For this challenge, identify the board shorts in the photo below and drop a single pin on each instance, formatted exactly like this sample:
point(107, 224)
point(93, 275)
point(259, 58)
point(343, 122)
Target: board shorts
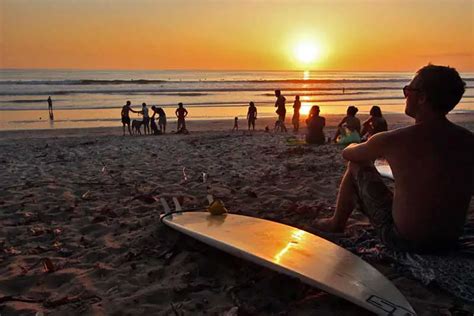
point(126, 120)
point(376, 200)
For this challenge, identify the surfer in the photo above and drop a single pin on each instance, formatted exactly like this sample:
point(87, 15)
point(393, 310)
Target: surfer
point(432, 164)
point(126, 116)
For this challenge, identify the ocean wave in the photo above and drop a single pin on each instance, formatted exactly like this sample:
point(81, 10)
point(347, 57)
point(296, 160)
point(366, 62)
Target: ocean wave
point(85, 82)
point(185, 91)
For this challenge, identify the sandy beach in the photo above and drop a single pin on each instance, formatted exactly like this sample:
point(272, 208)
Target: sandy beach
point(80, 232)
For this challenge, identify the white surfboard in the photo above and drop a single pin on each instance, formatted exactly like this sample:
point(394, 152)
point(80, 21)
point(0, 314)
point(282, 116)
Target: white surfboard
point(384, 169)
point(296, 253)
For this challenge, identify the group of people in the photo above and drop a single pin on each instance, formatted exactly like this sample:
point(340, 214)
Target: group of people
point(431, 161)
point(149, 121)
point(348, 130)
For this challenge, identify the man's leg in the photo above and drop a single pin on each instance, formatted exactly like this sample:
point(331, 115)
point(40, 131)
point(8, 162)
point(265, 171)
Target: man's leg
point(129, 130)
point(346, 199)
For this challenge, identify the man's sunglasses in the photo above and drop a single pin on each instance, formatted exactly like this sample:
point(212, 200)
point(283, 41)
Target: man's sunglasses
point(407, 89)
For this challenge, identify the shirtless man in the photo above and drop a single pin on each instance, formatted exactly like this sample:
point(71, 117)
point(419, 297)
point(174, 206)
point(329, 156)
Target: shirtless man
point(432, 163)
point(126, 116)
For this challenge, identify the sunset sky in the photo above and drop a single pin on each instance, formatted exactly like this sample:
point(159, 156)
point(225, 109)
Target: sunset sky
point(398, 35)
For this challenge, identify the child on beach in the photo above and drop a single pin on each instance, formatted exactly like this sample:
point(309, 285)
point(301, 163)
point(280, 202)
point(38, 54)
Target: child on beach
point(181, 114)
point(252, 115)
point(236, 124)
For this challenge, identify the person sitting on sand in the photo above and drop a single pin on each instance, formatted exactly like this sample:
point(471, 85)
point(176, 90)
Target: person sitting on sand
point(252, 115)
point(181, 114)
point(161, 118)
point(348, 130)
point(126, 117)
point(374, 124)
point(281, 110)
point(433, 167)
point(296, 114)
point(146, 119)
point(315, 125)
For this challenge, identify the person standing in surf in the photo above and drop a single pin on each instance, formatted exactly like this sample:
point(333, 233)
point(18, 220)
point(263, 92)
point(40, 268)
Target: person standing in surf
point(433, 168)
point(296, 114)
point(281, 110)
point(126, 117)
point(50, 108)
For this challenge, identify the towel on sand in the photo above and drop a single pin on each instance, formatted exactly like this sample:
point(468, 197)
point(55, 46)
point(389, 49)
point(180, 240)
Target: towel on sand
point(452, 272)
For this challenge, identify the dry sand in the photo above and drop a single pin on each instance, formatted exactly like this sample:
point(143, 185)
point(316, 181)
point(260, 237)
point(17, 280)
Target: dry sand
point(80, 230)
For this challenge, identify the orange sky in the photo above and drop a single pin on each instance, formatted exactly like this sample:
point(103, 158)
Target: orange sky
point(232, 34)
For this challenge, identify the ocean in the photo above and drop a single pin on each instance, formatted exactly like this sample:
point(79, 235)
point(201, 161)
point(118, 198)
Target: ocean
point(94, 98)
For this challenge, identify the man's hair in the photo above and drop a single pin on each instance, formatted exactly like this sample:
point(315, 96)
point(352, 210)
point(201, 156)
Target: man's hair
point(277, 92)
point(442, 85)
point(180, 104)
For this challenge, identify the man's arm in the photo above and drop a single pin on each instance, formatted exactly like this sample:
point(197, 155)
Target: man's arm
point(372, 149)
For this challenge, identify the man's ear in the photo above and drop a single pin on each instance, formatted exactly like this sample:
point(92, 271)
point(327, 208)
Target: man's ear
point(422, 98)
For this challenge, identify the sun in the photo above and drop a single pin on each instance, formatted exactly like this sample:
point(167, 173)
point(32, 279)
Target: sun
point(307, 52)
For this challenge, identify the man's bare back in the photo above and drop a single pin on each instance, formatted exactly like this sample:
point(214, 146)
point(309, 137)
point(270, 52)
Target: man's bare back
point(432, 163)
point(433, 167)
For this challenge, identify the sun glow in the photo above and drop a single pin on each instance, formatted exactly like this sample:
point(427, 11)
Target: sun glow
point(307, 52)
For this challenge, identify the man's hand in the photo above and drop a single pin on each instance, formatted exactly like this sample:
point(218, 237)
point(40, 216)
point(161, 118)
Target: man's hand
point(372, 149)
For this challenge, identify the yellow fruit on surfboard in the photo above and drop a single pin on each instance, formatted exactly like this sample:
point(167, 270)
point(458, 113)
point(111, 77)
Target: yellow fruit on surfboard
point(217, 207)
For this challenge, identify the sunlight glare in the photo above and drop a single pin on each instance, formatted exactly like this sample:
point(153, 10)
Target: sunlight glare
point(307, 52)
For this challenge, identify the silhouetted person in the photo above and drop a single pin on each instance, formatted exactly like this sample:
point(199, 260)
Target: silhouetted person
point(374, 124)
point(348, 130)
point(146, 119)
point(281, 110)
point(433, 166)
point(296, 114)
point(181, 114)
point(126, 117)
point(50, 108)
point(252, 115)
point(161, 118)
point(315, 125)
point(236, 124)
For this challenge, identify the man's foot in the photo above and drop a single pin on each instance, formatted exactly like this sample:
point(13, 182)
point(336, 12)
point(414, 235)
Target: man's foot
point(327, 225)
